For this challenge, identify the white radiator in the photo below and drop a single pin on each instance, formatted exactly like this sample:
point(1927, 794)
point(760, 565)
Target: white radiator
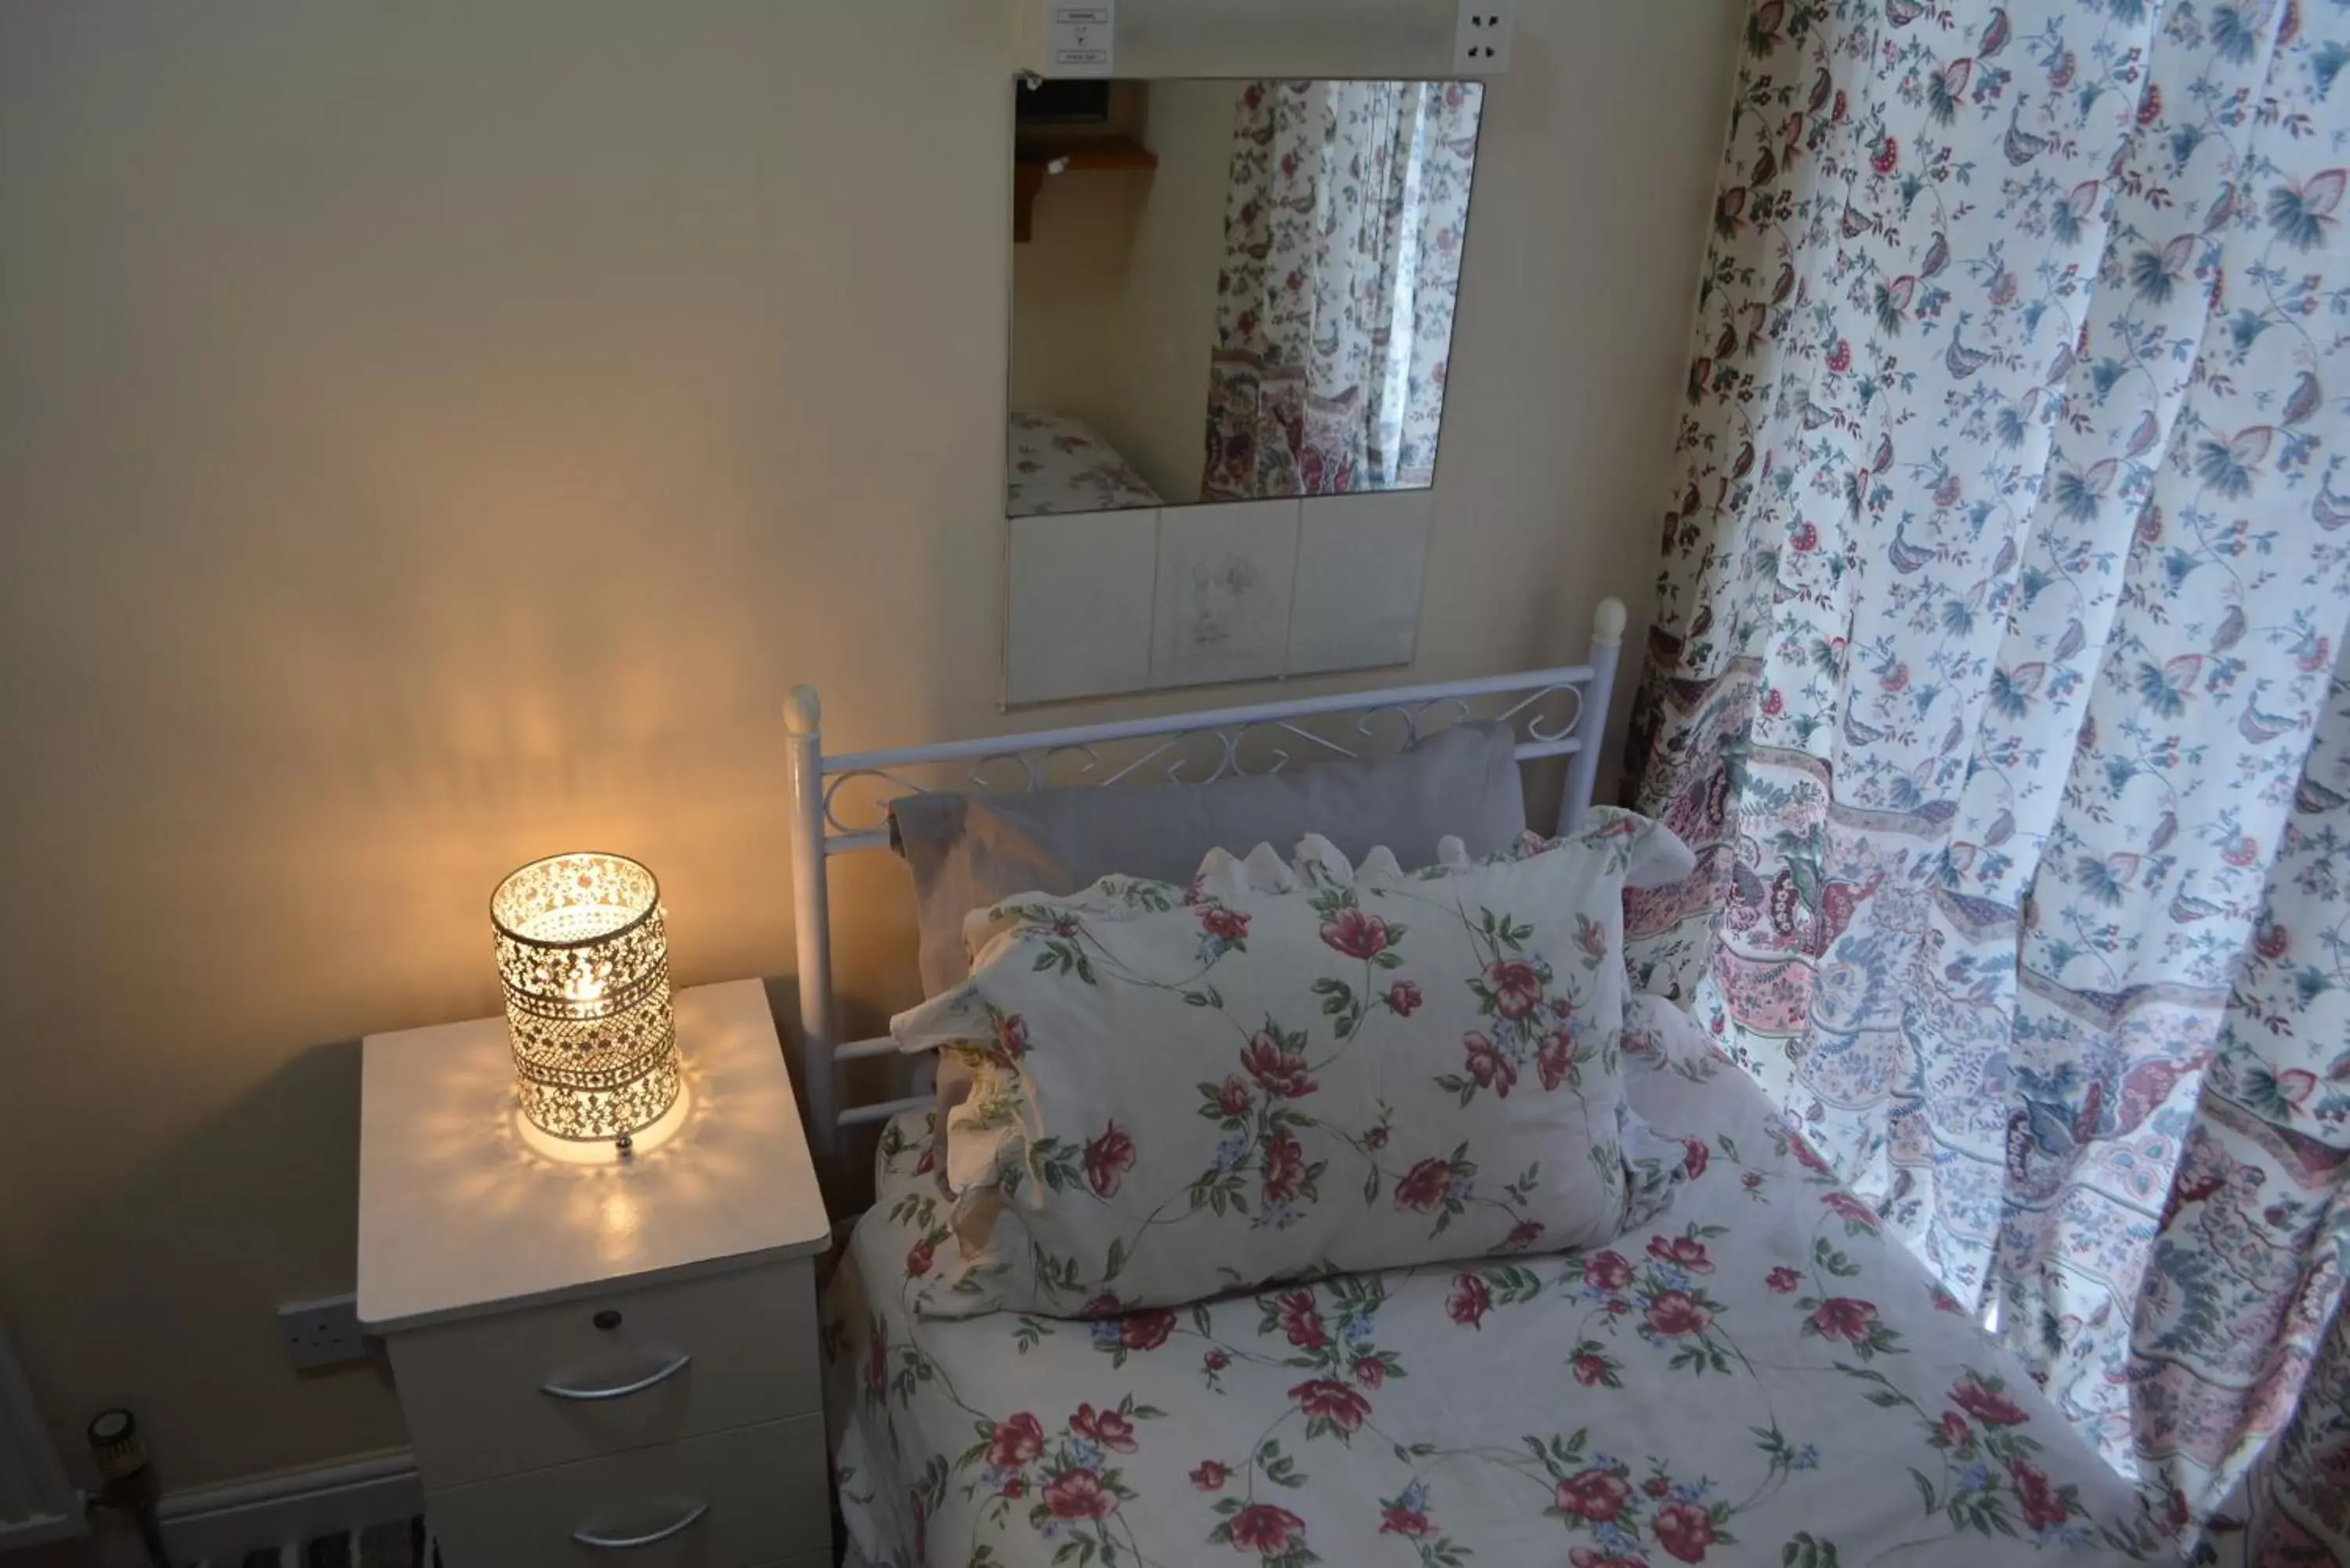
point(36, 1502)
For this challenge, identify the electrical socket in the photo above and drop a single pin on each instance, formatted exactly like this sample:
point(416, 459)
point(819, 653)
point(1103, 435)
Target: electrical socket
point(324, 1333)
point(1481, 40)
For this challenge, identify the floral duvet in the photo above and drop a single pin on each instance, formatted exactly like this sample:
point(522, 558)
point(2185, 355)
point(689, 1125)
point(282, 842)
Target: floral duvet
point(1750, 1373)
point(1060, 465)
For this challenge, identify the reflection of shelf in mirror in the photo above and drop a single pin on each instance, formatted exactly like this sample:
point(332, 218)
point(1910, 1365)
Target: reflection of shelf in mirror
point(1032, 166)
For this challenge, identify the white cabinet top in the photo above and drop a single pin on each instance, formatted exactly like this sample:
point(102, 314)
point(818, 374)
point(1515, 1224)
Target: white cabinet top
point(465, 1209)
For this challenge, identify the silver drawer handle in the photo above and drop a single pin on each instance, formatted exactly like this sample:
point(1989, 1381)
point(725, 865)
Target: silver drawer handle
point(655, 1380)
point(631, 1542)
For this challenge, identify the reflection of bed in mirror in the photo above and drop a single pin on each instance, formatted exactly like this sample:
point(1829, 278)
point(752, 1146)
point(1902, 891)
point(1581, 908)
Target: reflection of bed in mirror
point(1054, 464)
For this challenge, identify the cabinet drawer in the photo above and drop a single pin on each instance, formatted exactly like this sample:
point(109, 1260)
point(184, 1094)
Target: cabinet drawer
point(762, 1492)
point(742, 1346)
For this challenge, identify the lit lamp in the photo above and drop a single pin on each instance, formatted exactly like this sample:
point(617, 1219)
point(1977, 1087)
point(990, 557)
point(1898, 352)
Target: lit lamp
point(585, 958)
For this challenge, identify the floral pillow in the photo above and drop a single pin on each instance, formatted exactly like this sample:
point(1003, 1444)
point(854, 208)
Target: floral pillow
point(1293, 1075)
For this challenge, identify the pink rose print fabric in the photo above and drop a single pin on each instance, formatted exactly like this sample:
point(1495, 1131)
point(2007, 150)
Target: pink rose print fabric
point(1231, 1084)
point(1743, 1377)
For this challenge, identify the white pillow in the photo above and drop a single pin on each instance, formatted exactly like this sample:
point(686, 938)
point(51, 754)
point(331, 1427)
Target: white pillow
point(1298, 1072)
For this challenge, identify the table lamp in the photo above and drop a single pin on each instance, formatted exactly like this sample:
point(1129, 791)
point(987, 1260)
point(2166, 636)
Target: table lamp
point(584, 954)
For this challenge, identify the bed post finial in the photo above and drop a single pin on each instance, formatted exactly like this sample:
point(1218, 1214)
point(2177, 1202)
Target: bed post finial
point(804, 712)
point(1607, 623)
point(803, 716)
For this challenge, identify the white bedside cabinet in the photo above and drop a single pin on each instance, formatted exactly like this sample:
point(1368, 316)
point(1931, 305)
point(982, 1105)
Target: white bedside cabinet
point(602, 1362)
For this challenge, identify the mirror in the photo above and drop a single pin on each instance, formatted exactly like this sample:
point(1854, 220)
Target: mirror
point(1232, 290)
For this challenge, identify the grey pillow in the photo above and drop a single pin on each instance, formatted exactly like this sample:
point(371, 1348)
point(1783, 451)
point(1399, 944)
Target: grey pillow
point(971, 851)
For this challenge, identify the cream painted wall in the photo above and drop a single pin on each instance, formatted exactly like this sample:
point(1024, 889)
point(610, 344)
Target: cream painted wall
point(1069, 291)
point(1168, 328)
point(433, 435)
point(1114, 295)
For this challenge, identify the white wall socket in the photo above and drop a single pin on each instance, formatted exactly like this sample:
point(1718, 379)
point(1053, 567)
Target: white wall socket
point(324, 1333)
point(1481, 43)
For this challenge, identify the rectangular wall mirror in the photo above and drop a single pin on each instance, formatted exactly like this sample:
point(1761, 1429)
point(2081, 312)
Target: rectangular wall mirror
point(1230, 291)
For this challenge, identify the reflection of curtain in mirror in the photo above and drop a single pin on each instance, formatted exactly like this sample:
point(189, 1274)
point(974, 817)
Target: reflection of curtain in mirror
point(1341, 255)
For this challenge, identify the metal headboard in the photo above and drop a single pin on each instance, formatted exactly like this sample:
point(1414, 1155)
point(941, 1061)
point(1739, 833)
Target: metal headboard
point(1260, 737)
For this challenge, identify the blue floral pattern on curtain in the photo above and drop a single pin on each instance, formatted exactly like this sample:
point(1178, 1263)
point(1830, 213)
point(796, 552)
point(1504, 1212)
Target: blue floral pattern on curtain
point(1344, 221)
point(2001, 595)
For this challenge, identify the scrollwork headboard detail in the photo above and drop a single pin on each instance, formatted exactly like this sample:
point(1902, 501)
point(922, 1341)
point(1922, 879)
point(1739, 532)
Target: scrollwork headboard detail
point(839, 803)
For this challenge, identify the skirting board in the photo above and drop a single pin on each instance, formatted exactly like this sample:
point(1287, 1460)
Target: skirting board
point(291, 1506)
point(23, 1533)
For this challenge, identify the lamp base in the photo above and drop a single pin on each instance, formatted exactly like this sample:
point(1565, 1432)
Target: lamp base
point(605, 1153)
point(599, 1113)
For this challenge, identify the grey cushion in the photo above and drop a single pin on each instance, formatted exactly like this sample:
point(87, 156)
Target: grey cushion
point(971, 851)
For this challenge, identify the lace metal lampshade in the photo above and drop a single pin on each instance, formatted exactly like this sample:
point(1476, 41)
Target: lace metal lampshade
point(584, 957)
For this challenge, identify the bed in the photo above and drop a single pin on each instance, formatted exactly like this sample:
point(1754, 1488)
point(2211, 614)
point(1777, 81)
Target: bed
point(1054, 463)
point(1749, 1372)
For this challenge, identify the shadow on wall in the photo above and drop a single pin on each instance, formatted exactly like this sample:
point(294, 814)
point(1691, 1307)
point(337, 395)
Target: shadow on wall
point(848, 1179)
point(158, 1228)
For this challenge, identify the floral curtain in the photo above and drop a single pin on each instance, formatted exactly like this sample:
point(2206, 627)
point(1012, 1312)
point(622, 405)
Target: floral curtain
point(2232, 1327)
point(2000, 596)
point(1342, 229)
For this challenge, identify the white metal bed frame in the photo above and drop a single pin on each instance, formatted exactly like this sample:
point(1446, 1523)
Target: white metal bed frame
point(1165, 747)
